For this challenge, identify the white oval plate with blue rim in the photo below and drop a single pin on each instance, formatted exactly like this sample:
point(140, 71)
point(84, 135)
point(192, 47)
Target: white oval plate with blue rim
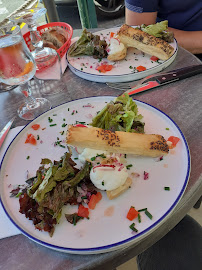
point(122, 71)
point(100, 233)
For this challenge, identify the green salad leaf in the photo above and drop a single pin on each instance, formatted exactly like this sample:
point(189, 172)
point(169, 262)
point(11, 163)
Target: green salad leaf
point(120, 115)
point(89, 44)
point(159, 30)
point(56, 172)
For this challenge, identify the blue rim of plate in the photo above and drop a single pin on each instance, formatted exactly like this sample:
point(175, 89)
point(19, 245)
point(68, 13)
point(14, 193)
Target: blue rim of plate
point(128, 240)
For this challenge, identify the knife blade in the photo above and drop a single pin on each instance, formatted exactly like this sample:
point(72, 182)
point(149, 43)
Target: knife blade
point(5, 131)
point(165, 78)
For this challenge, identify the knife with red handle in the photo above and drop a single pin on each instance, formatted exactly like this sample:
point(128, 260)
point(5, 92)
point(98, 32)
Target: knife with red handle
point(165, 78)
point(5, 131)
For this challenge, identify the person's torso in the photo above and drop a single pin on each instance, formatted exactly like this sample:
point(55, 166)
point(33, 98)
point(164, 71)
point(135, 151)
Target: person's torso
point(181, 14)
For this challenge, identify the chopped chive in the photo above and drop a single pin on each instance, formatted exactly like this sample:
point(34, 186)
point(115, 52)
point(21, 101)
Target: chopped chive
point(103, 183)
point(129, 166)
point(68, 109)
point(64, 125)
point(139, 218)
point(130, 67)
point(125, 155)
point(55, 114)
point(101, 155)
point(84, 197)
point(166, 188)
point(53, 125)
point(75, 158)
point(132, 227)
point(18, 195)
point(88, 218)
point(64, 119)
point(61, 145)
point(28, 157)
point(74, 220)
point(78, 122)
point(50, 120)
point(76, 111)
point(93, 158)
point(142, 210)
point(37, 137)
point(62, 132)
point(167, 129)
point(148, 214)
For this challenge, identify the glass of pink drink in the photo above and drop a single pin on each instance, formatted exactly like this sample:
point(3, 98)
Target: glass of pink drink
point(17, 67)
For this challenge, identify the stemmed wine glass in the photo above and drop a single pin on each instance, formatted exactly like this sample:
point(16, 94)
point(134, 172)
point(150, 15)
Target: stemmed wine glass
point(48, 62)
point(17, 67)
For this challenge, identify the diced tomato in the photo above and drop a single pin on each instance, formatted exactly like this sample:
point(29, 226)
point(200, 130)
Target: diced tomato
point(94, 200)
point(132, 213)
point(80, 125)
point(141, 68)
point(111, 34)
point(99, 197)
point(154, 58)
point(36, 126)
point(83, 211)
point(104, 68)
point(31, 139)
point(174, 140)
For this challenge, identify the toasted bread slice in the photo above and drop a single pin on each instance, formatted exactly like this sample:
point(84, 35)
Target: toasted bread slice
point(56, 36)
point(134, 37)
point(112, 194)
point(151, 145)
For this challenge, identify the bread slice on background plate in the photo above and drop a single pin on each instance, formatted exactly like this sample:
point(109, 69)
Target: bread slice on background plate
point(134, 37)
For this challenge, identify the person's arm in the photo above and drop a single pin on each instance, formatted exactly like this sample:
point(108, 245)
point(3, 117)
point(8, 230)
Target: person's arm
point(135, 18)
point(189, 40)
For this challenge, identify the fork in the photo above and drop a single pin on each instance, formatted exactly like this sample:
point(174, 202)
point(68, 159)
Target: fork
point(130, 85)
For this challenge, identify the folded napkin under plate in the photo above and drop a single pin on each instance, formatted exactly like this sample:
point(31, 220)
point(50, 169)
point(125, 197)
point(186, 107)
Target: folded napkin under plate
point(7, 229)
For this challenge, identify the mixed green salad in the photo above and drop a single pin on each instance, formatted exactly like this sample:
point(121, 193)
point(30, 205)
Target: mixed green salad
point(159, 30)
point(89, 44)
point(120, 115)
point(53, 187)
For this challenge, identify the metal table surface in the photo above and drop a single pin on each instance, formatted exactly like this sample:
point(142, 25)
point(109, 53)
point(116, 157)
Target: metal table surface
point(181, 101)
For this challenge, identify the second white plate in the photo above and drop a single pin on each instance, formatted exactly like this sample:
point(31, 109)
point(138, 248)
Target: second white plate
point(122, 71)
